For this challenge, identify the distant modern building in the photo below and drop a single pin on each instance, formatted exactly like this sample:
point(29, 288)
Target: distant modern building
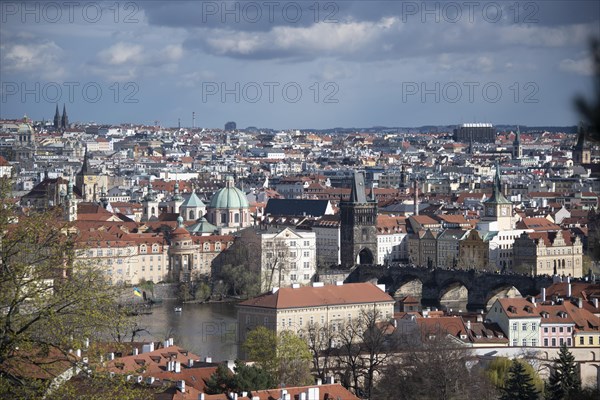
point(475, 132)
point(230, 126)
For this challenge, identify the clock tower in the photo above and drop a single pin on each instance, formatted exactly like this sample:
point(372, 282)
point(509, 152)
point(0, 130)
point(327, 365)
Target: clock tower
point(498, 210)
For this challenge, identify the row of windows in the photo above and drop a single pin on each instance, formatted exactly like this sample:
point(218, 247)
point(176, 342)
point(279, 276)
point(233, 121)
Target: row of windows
point(554, 342)
point(294, 277)
point(524, 326)
point(560, 329)
point(525, 342)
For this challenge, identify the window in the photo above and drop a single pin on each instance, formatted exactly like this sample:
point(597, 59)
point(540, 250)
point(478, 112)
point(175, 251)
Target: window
point(306, 243)
point(293, 254)
point(524, 326)
point(514, 326)
point(524, 342)
point(590, 340)
point(100, 252)
point(560, 329)
point(561, 341)
point(289, 322)
point(293, 265)
point(533, 326)
point(293, 277)
point(569, 342)
point(293, 243)
point(569, 329)
point(553, 342)
point(306, 277)
point(534, 342)
point(545, 342)
point(306, 254)
point(306, 264)
point(515, 342)
point(553, 329)
point(545, 329)
point(300, 321)
point(581, 340)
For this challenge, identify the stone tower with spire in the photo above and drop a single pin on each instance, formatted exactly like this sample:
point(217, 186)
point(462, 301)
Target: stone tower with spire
point(498, 210)
point(64, 121)
point(517, 149)
point(56, 119)
point(358, 225)
point(581, 152)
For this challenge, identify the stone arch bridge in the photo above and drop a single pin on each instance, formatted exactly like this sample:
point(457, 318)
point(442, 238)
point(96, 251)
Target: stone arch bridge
point(481, 286)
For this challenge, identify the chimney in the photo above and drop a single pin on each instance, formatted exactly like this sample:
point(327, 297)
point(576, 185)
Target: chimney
point(135, 351)
point(139, 379)
point(330, 380)
point(177, 367)
point(313, 393)
point(580, 302)
point(319, 382)
point(543, 295)
point(87, 343)
point(150, 380)
point(201, 396)
point(568, 290)
point(468, 325)
point(568, 279)
point(165, 344)
point(170, 341)
point(190, 363)
point(595, 300)
point(533, 301)
point(208, 359)
point(339, 283)
point(181, 386)
point(78, 353)
point(295, 285)
point(244, 394)
point(111, 356)
point(230, 365)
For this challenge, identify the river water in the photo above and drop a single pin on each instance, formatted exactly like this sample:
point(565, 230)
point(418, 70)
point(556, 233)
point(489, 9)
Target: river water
point(208, 330)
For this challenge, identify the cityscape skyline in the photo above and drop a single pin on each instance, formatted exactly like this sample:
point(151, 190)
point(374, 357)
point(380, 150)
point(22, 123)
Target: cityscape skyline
point(298, 64)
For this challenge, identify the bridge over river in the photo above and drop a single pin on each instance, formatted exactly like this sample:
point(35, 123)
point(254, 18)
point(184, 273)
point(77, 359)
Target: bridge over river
point(436, 286)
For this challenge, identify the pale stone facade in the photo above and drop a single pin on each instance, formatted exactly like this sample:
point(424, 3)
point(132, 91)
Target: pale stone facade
point(549, 253)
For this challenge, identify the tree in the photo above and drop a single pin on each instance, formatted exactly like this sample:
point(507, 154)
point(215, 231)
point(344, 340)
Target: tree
point(320, 340)
point(590, 109)
point(519, 384)
point(284, 356)
point(293, 360)
point(431, 365)
point(49, 302)
point(221, 381)
point(498, 373)
point(564, 382)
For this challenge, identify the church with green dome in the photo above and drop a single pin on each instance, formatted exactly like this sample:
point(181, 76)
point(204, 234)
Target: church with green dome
point(229, 210)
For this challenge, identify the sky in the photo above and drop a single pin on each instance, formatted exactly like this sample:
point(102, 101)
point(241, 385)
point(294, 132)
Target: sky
point(297, 64)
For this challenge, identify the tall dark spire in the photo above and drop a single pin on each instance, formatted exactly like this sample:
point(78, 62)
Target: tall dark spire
point(56, 118)
point(64, 122)
point(580, 137)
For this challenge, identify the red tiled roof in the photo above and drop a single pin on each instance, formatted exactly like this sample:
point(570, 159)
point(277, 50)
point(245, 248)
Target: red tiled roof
point(309, 296)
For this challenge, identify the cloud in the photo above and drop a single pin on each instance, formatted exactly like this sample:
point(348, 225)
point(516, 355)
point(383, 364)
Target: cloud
point(121, 53)
point(125, 61)
point(41, 60)
point(582, 66)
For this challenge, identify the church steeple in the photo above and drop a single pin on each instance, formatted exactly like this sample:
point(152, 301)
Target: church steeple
point(581, 153)
point(56, 118)
point(64, 122)
point(517, 149)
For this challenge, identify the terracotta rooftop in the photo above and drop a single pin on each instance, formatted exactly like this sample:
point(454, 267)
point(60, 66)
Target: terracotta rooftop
point(309, 296)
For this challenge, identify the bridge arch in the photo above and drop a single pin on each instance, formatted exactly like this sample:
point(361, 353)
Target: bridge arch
point(410, 285)
point(499, 292)
point(454, 294)
point(365, 257)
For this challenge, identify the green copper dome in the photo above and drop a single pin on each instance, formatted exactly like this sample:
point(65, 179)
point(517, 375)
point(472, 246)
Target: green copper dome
point(229, 197)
